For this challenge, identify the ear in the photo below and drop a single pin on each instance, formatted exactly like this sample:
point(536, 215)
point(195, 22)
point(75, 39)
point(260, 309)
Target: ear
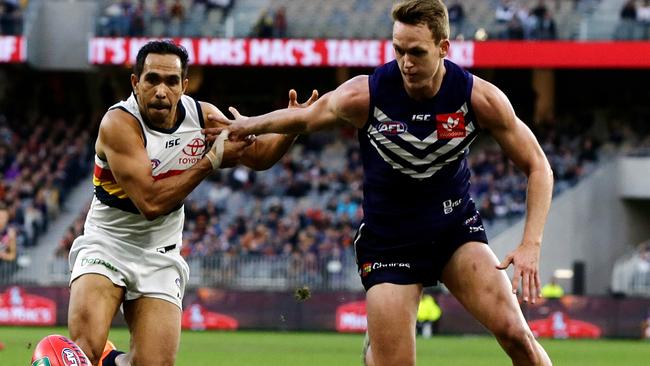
point(444, 48)
point(134, 83)
point(186, 82)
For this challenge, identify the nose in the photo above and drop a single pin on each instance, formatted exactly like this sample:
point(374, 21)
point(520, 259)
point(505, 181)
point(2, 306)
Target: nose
point(407, 62)
point(161, 91)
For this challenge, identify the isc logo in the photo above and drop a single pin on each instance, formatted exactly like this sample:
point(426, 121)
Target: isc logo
point(172, 143)
point(391, 128)
point(421, 117)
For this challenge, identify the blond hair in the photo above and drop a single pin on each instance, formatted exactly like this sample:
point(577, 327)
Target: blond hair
point(433, 13)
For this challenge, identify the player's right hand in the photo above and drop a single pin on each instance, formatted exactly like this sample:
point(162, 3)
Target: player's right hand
point(238, 127)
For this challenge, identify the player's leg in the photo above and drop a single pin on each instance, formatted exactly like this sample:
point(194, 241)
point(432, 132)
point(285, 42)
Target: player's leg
point(155, 327)
point(392, 311)
point(471, 276)
point(94, 300)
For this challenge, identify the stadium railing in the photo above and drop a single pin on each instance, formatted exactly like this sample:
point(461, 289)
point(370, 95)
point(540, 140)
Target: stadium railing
point(255, 272)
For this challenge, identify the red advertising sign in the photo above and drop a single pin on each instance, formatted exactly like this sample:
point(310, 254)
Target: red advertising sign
point(20, 308)
point(12, 49)
point(372, 53)
point(352, 317)
point(558, 325)
point(196, 317)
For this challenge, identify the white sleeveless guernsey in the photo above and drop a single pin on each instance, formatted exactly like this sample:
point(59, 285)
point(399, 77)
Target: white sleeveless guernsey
point(171, 151)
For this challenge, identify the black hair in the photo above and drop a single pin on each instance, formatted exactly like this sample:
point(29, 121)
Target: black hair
point(164, 47)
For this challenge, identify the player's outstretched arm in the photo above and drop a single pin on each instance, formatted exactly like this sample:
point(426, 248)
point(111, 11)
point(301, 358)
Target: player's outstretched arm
point(347, 105)
point(267, 149)
point(495, 113)
point(120, 143)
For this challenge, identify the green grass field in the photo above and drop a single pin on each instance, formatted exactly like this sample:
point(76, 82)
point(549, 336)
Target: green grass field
point(327, 349)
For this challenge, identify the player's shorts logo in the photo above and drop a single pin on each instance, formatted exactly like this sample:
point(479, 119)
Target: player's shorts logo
point(196, 147)
point(91, 261)
point(366, 269)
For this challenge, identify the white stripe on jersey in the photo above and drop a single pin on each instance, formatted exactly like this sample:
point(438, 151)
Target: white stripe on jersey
point(375, 135)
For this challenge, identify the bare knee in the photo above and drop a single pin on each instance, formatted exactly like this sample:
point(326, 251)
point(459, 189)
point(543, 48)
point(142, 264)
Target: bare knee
point(518, 341)
point(401, 356)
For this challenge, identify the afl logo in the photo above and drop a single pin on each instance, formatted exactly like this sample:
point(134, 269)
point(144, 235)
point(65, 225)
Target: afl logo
point(69, 357)
point(392, 128)
point(154, 163)
point(195, 147)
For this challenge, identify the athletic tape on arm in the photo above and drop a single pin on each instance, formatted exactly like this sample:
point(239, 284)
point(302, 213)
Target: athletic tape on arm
point(215, 155)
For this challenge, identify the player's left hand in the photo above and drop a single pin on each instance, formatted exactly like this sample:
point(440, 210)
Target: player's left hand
point(526, 266)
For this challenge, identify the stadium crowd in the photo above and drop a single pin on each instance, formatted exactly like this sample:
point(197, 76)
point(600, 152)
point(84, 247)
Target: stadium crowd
point(40, 161)
point(161, 18)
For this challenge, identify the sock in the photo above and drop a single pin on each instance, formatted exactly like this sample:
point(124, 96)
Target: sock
point(109, 360)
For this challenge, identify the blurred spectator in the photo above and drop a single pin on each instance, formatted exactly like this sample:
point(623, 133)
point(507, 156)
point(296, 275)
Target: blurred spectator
point(8, 246)
point(176, 19)
point(645, 327)
point(643, 16)
point(10, 17)
point(505, 11)
point(627, 28)
point(263, 28)
point(456, 19)
point(428, 315)
point(552, 290)
point(280, 22)
point(629, 10)
point(544, 23)
point(223, 5)
point(139, 17)
point(540, 11)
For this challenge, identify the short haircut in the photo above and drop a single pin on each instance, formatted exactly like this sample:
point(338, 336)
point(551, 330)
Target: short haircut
point(432, 13)
point(164, 47)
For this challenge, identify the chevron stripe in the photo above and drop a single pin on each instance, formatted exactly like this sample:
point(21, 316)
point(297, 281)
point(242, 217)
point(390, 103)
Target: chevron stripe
point(438, 163)
point(429, 140)
point(410, 172)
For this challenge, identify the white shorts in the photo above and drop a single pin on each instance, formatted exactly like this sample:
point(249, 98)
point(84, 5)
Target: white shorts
point(158, 272)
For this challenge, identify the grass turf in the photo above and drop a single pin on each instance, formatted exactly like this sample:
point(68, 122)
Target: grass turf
point(246, 348)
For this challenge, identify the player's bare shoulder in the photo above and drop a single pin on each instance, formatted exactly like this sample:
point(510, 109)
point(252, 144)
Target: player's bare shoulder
point(352, 100)
point(491, 106)
point(117, 128)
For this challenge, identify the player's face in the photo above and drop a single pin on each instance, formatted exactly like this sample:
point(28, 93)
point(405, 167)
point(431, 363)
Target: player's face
point(159, 88)
point(417, 53)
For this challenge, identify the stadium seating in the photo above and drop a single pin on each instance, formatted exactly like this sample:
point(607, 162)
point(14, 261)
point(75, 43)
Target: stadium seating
point(362, 19)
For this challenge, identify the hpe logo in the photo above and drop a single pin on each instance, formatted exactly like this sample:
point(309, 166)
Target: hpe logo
point(421, 118)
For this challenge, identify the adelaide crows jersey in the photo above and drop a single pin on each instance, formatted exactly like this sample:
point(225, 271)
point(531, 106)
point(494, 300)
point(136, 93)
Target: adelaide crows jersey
point(416, 178)
point(171, 151)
